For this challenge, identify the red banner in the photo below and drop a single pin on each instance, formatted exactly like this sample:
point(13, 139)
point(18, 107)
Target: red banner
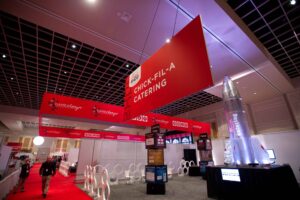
point(75, 133)
point(54, 104)
point(16, 146)
point(75, 107)
point(178, 69)
point(171, 123)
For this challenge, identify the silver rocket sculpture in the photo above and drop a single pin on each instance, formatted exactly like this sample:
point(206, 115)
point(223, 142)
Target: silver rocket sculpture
point(237, 124)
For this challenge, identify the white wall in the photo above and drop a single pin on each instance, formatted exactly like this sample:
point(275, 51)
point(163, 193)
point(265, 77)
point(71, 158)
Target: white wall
point(5, 152)
point(111, 152)
point(272, 115)
point(175, 152)
point(294, 99)
point(279, 113)
point(218, 147)
point(73, 155)
point(85, 156)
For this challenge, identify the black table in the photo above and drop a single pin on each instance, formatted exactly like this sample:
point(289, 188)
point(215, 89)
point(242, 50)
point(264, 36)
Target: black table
point(194, 171)
point(274, 182)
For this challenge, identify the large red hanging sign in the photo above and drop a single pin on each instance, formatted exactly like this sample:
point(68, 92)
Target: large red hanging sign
point(178, 69)
point(58, 105)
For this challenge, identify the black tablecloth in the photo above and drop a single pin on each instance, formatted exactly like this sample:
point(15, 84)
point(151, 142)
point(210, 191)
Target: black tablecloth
point(275, 182)
point(194, 171)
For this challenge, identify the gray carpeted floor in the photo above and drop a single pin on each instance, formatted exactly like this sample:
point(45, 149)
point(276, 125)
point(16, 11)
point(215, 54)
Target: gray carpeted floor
point(178, 188)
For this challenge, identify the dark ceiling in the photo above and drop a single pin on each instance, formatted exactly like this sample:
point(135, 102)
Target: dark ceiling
point(35, 60)
point(276, 23)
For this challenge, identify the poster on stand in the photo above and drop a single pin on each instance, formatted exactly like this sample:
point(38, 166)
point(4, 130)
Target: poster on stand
point(155, 156)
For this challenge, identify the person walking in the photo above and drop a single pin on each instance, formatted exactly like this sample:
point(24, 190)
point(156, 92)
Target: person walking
point(25, 169)
point(47, 170)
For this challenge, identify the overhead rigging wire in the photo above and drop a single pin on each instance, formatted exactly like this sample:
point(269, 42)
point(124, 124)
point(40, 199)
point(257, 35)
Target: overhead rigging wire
point(190, 16)
point(149, 31)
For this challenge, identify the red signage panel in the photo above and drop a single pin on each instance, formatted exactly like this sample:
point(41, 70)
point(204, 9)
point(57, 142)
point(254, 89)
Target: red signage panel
point(75, 133)
point(54, 104)
point(170, 123)
point(178, 69)
point(16, 146)
point(81, 108)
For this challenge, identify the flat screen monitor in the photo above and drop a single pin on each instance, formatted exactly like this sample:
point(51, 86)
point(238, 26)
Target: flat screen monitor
point(271, 153)
point(185, 140)
point(231, 175)
point(176, 141)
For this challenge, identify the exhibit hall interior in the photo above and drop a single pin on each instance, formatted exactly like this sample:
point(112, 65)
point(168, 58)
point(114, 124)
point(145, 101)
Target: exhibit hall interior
point(149, 99)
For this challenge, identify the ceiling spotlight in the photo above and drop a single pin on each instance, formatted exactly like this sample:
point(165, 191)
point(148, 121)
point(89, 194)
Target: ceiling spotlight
point(38, 140)
point(254, 93)
point(91, 1)
point(73, 46)
point(3, 56)
point(11, 78)
point(65, 72)
point(59, 89)
point(293, 2)
point(127, 65)
point(168, 40)
point(108, 84)
point(17, 93)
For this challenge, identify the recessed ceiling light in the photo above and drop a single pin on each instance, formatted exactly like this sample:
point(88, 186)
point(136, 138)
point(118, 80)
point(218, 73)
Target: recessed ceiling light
point(254, 92)
point(127, 65)
point(293, 2)
point(168, 40)
point(59, 89)
point(11, 78)
point(65, 72)
point(69, 59)
point(108, 84)
point(3, 56)
point(17, 93)
point(91, 1)
point(73, 46)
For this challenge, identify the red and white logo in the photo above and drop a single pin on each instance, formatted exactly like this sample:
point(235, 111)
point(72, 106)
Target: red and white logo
point(135, 77)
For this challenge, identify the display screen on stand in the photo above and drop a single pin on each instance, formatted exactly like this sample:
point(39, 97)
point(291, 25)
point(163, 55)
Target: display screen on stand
point(231, 175)
point(185, 138)
point(271, 153)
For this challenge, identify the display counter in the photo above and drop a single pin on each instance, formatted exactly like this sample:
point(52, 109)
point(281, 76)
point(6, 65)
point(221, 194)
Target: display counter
point(273, 182)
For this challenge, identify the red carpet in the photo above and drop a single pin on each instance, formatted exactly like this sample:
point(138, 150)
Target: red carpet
point(60, 188)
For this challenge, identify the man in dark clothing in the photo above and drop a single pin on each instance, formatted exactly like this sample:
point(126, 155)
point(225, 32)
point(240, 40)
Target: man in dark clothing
point(25, 168)
point(47, 170)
